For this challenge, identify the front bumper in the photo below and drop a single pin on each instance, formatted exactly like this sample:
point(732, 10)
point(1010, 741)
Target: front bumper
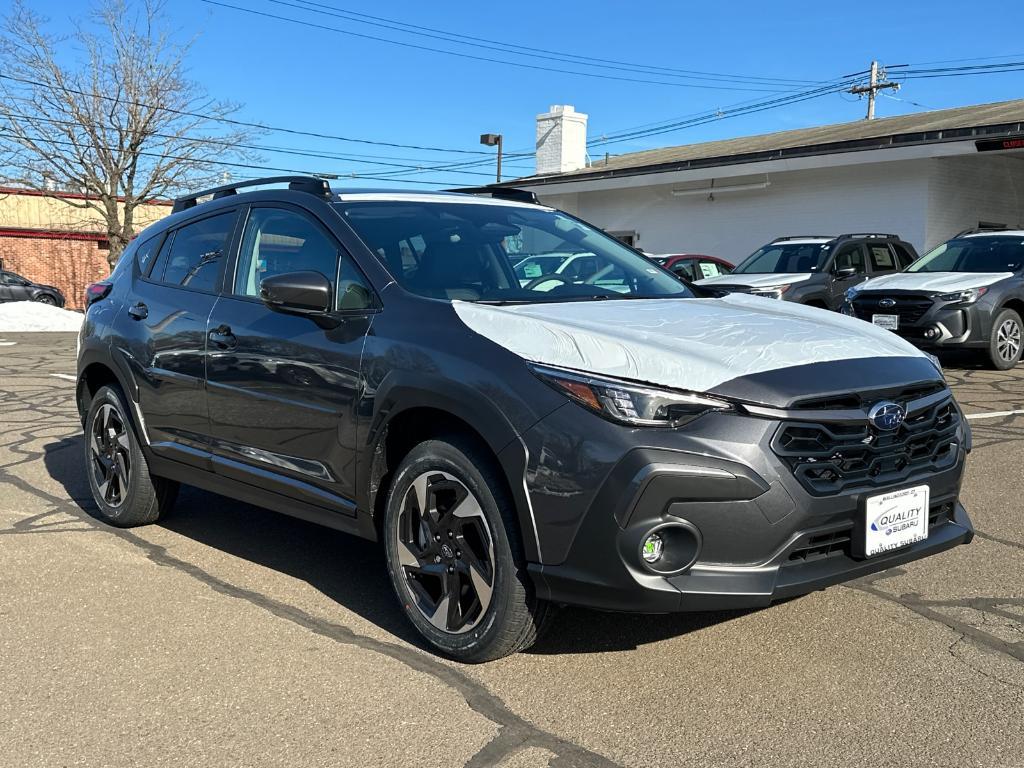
point(762, 536)
point(927, 322)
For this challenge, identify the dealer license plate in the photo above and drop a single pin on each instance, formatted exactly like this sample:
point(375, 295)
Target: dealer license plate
point(896, 519)
point(889, 322)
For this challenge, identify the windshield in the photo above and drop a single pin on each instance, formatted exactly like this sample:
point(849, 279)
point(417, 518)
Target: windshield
point(974, 254)
point(502, 252)
point(785, 257)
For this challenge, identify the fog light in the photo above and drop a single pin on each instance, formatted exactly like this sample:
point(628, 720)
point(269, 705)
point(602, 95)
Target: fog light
point(931, 333)
point(654, 547)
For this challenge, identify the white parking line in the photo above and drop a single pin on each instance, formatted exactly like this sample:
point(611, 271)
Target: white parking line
point(995, 414)
point(7, 343)
point(65, 376)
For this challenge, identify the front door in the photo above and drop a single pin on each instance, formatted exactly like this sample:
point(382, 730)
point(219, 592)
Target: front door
point(164, 331)
point(849, 255)
point(283, 388)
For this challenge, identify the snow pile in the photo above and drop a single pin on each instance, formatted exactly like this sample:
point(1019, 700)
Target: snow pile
point(21, 316)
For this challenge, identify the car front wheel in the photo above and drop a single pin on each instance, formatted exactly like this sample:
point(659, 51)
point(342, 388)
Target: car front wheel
point(1005, 344)
point(454, 554)
point(45, 298)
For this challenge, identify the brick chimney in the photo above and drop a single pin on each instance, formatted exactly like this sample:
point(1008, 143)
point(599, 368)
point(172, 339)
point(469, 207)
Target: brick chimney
point(561, 140)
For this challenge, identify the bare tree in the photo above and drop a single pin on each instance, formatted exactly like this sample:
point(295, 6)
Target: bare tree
point(109, 113)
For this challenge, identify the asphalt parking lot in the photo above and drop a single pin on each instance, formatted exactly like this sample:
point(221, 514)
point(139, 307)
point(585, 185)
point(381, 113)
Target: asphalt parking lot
point(228, 635)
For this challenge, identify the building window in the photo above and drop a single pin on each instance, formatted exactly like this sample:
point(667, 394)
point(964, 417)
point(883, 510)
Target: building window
point(629, 237)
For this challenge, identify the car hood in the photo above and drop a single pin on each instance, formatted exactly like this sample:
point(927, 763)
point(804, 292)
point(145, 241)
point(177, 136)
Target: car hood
point(940, 282)
point(757, 281)
point(690, 344)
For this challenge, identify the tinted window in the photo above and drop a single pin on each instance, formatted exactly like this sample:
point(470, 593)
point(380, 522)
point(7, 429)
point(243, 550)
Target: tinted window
point(903, 256)
point(145, 252)
point(192, 256)
point(851, 256)
point(9, 278)
point(277, 241)
point(484, 251)
point(684, 269)
point(710, 269)
point(881, 258)
point(785, 257)
point(974, 254)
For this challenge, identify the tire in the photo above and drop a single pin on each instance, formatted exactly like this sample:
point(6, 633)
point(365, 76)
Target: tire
point(45, 298)
point(1005, 344)
point(472, 513)
point(125, 493)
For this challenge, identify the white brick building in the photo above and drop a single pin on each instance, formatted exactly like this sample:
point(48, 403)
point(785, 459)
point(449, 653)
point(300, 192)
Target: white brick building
point(925, 176)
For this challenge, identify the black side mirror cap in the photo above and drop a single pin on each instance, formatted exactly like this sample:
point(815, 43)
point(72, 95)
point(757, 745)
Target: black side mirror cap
point(304, 293)
point(846, 272)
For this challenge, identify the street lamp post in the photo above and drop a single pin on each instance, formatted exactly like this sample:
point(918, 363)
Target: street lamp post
point(493, 140)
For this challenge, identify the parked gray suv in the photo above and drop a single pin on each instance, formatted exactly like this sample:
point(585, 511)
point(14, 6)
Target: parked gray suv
point(815, 270)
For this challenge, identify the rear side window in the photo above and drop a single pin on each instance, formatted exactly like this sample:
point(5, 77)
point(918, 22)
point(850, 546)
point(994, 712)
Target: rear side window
point(881, 258)
point(192, 255)
point(710, 269)
point(145, 252)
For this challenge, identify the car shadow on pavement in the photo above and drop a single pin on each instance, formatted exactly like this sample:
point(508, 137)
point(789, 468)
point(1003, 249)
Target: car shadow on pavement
point(351, 571)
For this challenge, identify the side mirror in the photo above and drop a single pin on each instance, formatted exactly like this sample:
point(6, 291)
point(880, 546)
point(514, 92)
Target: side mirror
point(305, 293)
point(845, 272)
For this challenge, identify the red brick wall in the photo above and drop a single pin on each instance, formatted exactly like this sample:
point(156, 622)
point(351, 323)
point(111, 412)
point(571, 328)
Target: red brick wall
point(67, 264)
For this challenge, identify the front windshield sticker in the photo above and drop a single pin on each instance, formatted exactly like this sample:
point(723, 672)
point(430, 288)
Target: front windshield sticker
point(532, 270)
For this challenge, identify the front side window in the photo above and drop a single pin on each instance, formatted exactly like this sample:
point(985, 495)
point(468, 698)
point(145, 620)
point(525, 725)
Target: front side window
point(785, 257)
point(476, 250)
point(685, 270)
point(974, 254)
point(192, 255)
point(851, 258)
point(881, 259)
point(9, 278)
point(277, 240)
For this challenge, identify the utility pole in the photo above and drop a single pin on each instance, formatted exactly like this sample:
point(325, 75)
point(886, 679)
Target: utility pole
point(878, 82)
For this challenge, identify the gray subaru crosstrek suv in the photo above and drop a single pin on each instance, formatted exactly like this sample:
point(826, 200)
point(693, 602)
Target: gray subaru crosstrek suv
point(370, 361)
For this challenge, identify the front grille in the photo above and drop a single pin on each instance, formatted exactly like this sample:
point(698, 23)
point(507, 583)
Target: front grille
point(853, 400)
point(910, 307)
point(821, 545)
point(831, 458)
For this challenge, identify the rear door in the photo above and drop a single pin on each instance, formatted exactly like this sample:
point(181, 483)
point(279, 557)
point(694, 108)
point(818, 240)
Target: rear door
point(882, 259)
point(283, 388)
point(165, 332)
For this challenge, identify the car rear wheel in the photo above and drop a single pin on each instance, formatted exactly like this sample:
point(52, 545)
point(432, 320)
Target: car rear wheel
point(125, 493)
point(1005, 344)
point(454, 554)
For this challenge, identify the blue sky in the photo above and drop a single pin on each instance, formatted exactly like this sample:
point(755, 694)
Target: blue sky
point(289, 75)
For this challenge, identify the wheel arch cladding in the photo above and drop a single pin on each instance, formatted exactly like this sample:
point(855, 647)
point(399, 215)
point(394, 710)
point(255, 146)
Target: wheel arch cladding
point(93, 377)
point(425, 414)
point(1015, 303)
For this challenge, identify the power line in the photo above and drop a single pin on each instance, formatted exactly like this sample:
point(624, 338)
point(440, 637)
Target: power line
point(521, 50)
point(246, 124)
point(325, 27)
point(228, 164)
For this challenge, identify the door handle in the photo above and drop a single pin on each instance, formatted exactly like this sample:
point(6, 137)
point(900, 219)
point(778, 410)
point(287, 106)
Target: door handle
point(138, 311)
point(222, 337)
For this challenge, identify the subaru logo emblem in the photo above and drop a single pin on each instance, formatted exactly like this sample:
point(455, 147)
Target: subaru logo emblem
point(886, 416)
point(887, 303)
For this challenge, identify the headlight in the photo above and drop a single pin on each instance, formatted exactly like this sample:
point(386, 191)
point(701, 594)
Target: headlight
point(968, 296)
point(936, 362)
point(628, 403)
point(774, 292)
